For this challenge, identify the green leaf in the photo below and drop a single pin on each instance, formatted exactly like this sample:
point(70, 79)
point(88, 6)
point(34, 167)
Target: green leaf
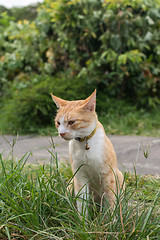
point(122, 59)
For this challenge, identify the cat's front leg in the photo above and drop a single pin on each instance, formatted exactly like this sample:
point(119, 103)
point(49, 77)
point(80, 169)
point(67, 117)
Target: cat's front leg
point(81, 187)
point(109, 188)
point(111, 185)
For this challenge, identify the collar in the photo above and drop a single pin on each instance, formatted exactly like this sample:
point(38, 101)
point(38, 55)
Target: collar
point(86, 138)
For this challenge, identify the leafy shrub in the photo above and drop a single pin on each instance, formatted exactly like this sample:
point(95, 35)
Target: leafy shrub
point(114, 45)
point(30, 106)
point(75, 46)
point(21, 13)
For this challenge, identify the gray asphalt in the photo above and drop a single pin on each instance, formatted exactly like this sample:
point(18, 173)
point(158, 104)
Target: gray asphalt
point(143, 153)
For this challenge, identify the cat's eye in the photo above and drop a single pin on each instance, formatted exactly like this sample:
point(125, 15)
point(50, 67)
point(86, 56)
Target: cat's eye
point(58, 123)
point(71, 122)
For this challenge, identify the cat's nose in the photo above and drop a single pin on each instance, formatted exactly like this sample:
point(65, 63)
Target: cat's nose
point(62, 134)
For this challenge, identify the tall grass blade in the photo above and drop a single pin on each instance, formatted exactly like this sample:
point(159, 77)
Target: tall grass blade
point(3, 167)
point(8, 234)
point(148, 217)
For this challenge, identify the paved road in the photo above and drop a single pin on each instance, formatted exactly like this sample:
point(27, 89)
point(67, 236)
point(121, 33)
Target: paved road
point(129, 149)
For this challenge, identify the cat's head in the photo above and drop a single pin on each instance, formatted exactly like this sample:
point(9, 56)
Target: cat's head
point(75, 118)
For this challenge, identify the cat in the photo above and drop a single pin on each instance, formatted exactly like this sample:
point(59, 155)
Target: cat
point(92, 155)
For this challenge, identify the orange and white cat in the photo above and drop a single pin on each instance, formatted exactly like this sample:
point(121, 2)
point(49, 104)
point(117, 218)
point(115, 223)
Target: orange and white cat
point(91, 152)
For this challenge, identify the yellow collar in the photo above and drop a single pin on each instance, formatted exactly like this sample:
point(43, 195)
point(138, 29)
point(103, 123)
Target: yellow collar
point(87, 138)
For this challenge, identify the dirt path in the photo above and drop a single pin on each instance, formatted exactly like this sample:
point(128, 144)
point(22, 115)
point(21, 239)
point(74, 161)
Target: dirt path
point(129, 149)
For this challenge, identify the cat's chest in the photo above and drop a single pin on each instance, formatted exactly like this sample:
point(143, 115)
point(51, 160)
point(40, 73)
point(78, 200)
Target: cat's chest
point(92, 157)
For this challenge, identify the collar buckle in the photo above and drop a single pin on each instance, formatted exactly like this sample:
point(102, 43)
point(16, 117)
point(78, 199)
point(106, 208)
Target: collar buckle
point(87, 147)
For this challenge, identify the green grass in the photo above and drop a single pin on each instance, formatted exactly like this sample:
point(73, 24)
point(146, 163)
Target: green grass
point(118, 117)
point(124, 119)
point(130, 121)
point(35, 204)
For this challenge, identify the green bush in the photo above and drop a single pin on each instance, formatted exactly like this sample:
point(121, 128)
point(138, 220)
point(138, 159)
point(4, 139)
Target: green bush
point(114, 45)
point(30, 107)
point(73, 47)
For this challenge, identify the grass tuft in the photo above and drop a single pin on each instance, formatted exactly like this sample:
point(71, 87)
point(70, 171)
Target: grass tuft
point(36, 204)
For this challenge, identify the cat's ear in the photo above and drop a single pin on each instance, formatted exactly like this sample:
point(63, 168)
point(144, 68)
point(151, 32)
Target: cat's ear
point(90, 102)
point(58, 101)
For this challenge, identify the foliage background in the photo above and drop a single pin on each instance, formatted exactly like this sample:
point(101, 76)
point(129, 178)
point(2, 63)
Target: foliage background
point(72, 47)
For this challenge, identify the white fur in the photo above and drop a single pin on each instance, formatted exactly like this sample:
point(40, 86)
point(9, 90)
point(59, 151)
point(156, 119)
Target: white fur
point(89, 164)
point(92, 157)
point(63, 127)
